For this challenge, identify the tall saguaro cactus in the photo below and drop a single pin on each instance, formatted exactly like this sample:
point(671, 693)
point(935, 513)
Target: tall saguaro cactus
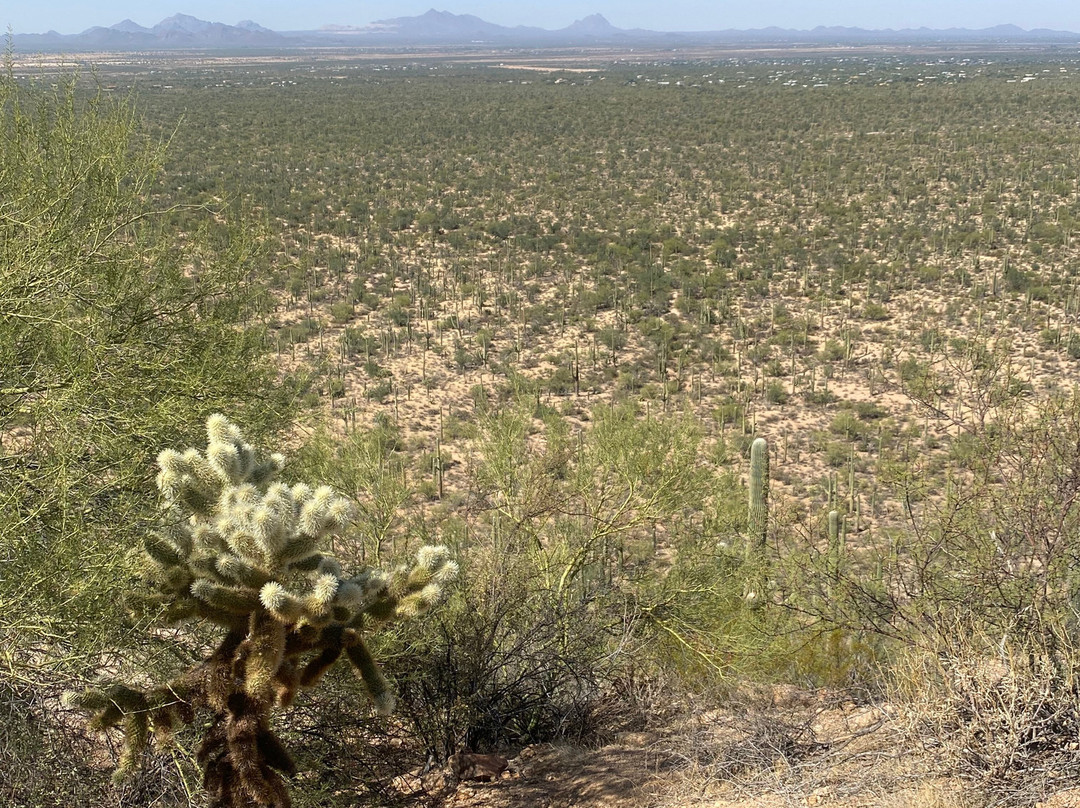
point(759, 496)
point(758, 522)
point(837, 540)
point(242, 550)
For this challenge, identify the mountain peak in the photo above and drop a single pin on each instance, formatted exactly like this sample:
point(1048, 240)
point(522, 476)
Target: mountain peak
point(444, 27)
point(182, 19)
point(129, 26)
point(594, 24)
point(183, 22)
point(251, 25)
point(595, 19)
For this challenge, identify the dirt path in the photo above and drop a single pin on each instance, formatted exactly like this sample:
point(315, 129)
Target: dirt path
point(798, 749)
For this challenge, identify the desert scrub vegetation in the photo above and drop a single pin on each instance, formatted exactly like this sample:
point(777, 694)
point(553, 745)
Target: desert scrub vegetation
point(542, 318)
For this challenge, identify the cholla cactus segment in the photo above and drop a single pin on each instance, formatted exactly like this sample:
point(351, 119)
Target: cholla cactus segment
point(323, 592)
point(202, 470)
point(301, 494)
point(247, 534)
point(323, 512)
point(136, 737)
point(233, 599)
point(181, 609)
point(195, 499)
point(123, 698)
point(279, 500)
point(219, 429)
point(300, 553)
point(418, 603)
point(341, 513)
point(171, 462)
point(349, 595)
point(329, 565)
point(433, 568)
point(432, 557)
point(176, 530)
point(446, 574)
point(171, 465)
point(269, 529)
point(203, 535)
point(267, 470)
point(437, 561)
point(163, 551)
point(374, 681)
point(265, 653)
point(240, 571)
point(284, 605)
point(176, 581)
point(315, 669)
point(372, 582)
point(225, 461)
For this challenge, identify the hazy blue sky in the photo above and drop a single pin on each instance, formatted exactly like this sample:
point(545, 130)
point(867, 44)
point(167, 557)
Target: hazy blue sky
point(69, 16)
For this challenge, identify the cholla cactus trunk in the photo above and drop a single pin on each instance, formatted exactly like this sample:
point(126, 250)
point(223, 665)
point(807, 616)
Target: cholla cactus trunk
point(758, 524)
point(241, 549)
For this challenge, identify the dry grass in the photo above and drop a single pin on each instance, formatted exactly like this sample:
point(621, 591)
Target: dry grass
point(1007, 723)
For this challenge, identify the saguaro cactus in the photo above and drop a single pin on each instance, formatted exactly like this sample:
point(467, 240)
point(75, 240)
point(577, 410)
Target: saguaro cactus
point(837, 540)
point(759, 497)
point(758, 522)
point(242, 550)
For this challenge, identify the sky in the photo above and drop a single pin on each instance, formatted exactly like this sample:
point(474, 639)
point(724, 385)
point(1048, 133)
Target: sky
point(73, 16)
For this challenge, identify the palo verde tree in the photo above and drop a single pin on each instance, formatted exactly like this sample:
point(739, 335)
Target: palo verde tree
point(120, 327)
point(241, 549)
point(117, 326)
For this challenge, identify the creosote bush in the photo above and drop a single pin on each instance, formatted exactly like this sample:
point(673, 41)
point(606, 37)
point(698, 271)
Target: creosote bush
point(242, 550)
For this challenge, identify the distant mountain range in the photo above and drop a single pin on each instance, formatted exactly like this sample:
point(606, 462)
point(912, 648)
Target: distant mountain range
point(179, 31)
point(443, 28)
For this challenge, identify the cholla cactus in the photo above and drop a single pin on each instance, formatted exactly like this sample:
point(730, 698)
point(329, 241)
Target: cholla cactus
point(243, 550)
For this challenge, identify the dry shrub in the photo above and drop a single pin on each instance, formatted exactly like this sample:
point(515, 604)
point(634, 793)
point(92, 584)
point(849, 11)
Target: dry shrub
point(48, 759)
point(933, 794)
point(763, 742)
point(1002, 716)
point(508, 663)
point(753, 751)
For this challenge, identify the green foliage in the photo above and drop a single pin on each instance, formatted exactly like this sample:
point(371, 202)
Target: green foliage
point(115, 328)
point(876, 311)
point(121, 317)
point(562, 603)
point(776, 393)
